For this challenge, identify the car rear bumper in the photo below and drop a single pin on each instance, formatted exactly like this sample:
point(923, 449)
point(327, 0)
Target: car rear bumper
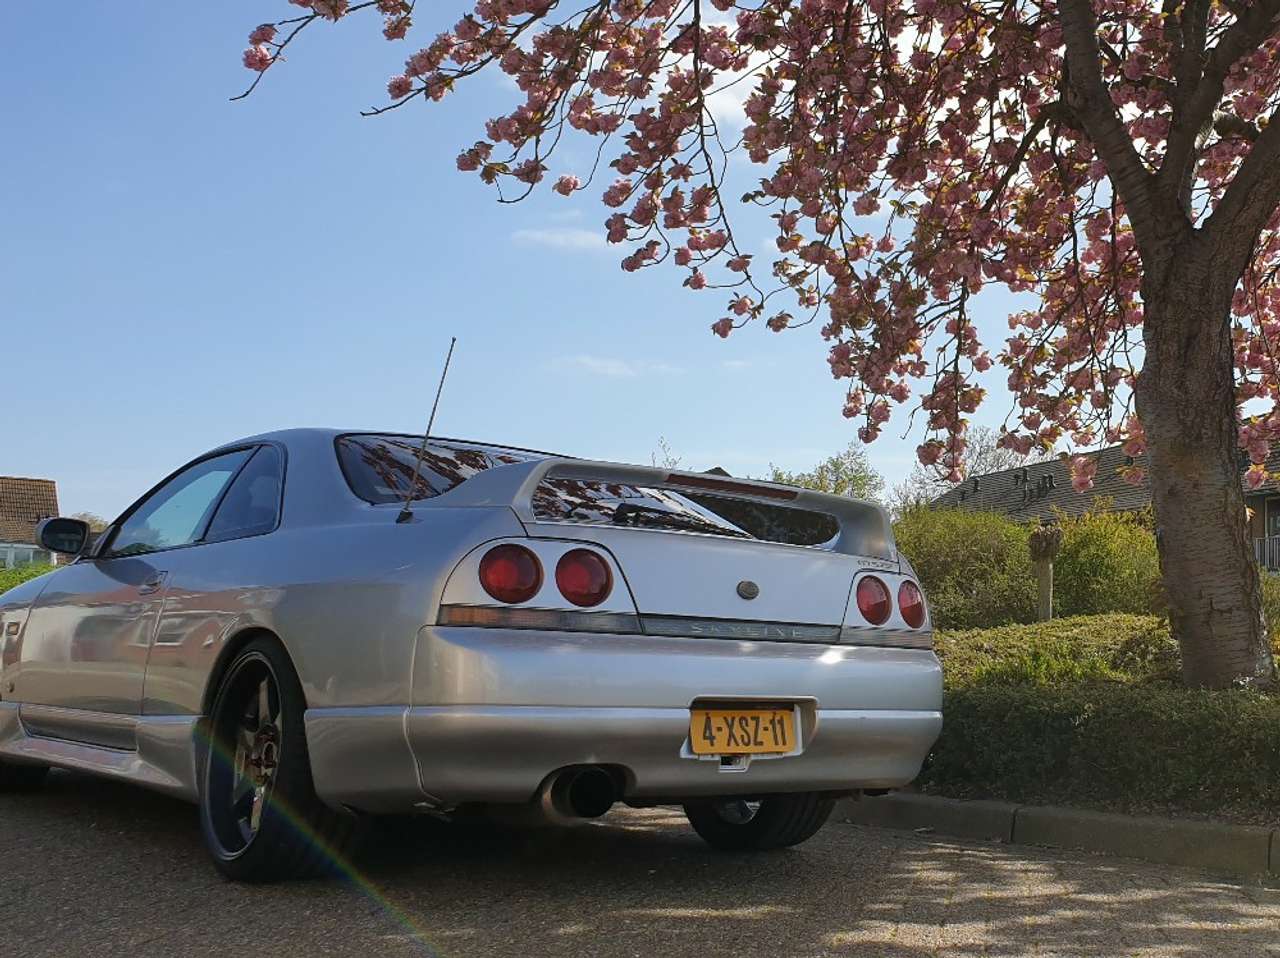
point(496, 712)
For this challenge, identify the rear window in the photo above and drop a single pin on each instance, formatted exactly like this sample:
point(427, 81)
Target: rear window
point(379, 468)
point(577, 500)
point(585, 500)
point(763, 520)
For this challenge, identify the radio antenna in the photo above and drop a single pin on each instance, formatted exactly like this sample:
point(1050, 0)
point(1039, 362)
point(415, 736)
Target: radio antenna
point(407, 513)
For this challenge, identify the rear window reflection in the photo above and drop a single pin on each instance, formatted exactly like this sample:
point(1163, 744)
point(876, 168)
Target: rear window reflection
point(380, 469)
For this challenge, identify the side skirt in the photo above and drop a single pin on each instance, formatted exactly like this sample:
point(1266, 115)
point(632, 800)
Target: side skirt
point(163, 756)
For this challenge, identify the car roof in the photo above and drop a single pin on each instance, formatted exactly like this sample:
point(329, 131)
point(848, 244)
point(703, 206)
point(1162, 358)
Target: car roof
point(324, 434)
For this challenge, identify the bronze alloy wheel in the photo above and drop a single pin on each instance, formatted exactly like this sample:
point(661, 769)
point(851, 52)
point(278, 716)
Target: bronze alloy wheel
point(259, 812)
point(246, 755)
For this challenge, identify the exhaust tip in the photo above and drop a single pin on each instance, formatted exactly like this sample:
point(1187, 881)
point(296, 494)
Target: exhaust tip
point(582, 792)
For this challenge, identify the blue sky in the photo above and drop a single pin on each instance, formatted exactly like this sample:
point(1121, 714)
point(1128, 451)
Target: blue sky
point(177, 270)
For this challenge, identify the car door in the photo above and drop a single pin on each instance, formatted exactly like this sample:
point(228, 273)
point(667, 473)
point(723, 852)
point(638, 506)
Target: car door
point(88, 635)
point(214, 586)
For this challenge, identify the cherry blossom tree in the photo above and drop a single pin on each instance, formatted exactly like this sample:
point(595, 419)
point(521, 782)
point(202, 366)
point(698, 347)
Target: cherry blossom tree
point(1117, 159)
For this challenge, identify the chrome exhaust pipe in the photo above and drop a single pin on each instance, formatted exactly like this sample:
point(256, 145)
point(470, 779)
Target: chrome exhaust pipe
point(586, 792)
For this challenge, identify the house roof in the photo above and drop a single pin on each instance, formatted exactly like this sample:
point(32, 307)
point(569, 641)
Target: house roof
point(23, 503)
point(1042, 490)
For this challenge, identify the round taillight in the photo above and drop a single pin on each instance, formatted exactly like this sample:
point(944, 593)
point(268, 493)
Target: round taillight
point(583, 577)
point(911, 604)
point(511, 573)
point(874, 601)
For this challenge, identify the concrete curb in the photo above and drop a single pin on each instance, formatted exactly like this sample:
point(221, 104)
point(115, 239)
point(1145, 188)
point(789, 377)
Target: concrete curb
point(1239, 850)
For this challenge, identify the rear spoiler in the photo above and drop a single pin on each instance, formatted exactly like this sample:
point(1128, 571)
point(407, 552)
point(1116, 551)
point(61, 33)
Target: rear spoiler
point(864, 526)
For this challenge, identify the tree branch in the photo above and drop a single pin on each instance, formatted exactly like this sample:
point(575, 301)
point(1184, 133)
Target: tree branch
point(1249, 202)
point(1087, 95)
point(1193, 107)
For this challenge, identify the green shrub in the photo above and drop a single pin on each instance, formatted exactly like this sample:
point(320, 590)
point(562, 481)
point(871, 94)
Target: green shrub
point(1271, 603)
point(974, 566)
point(12, 577)
point(1108, 563)
point(1089, 710)
point(977, 572)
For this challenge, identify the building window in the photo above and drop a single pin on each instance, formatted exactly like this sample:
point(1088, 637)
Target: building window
point(12, 556)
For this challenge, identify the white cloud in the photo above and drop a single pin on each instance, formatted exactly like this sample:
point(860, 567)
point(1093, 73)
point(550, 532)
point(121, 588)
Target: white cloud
point(561, 237)
point(736, 363)
point(619, 368)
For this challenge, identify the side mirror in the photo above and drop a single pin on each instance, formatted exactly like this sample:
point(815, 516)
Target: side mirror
point(68, 536)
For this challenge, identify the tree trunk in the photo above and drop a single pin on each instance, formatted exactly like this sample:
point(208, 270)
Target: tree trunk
point(1186, 400)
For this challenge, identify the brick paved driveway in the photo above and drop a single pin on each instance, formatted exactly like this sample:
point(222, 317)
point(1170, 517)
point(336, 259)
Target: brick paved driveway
point(97, 869)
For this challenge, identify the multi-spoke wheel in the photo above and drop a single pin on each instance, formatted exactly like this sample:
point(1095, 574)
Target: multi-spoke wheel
point(257, 755)
point(259, 812)
point(734, 824)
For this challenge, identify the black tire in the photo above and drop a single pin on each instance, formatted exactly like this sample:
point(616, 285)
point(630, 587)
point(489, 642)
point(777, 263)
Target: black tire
point(779, 821)
point(259, 812)
point(15, 777)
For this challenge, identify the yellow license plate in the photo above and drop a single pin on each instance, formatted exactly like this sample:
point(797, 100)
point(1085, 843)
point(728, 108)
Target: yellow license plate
point(748, 731)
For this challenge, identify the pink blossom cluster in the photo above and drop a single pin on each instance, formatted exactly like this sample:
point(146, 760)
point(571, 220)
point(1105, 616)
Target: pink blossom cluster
point(913, 154)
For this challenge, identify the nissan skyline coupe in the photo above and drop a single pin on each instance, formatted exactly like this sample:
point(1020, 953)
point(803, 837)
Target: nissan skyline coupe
point(303, 630)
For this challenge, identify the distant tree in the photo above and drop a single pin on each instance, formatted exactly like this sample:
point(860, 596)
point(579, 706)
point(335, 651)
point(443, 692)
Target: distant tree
point(983, 454)
point(847, 473)
point(664, 457)
point(96, 522)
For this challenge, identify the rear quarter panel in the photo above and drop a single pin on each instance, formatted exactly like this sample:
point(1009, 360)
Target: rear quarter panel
point(347, 600)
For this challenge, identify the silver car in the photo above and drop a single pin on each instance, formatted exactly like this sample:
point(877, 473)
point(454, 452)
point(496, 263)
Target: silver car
point(303, 629)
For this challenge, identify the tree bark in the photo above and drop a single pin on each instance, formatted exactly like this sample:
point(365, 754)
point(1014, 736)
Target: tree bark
point(1186, 400)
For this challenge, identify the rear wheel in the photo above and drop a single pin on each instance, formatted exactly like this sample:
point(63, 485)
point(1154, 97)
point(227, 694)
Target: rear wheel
point(259, 812)
point(776, 822)
point(21, 778)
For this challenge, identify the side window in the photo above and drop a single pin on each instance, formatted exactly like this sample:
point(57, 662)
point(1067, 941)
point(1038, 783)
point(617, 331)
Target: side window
point(252, 504)
point(177, 512)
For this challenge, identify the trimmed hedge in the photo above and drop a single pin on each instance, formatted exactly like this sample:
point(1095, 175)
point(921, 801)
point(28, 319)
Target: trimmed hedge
point(12, 577)
point(1089, 711)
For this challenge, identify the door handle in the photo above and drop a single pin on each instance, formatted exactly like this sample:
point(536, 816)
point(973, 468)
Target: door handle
point(152, 584)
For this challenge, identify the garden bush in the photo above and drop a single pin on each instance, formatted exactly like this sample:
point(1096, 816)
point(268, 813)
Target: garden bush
point(1089, 711)
point(974, 566)
point(1271, 603)
point(16, 576)
point(977, 572)
point(1108, 563)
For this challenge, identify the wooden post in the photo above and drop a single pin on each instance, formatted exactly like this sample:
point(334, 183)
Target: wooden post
point(1045, 543)
point(1044, 582)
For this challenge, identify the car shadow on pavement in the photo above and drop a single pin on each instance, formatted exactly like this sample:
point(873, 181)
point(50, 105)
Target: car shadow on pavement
point(95, 867)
